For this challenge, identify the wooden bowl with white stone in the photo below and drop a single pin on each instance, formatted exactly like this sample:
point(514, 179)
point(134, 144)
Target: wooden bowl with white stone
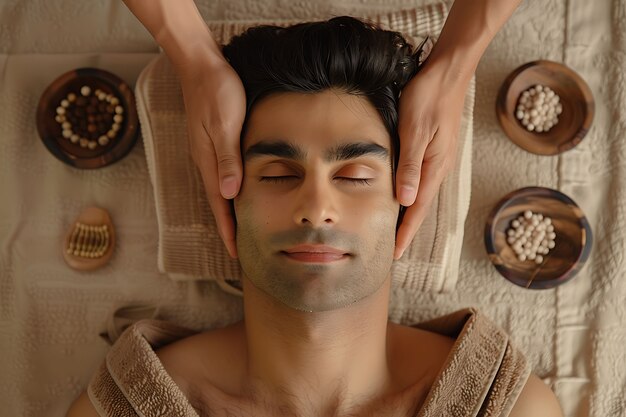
point(575, 97)
point(62, 148)
point(573, 240)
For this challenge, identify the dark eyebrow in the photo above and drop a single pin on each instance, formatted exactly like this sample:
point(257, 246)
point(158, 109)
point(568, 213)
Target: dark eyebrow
point(356, 149)
point(341, 152)
point(279, 148)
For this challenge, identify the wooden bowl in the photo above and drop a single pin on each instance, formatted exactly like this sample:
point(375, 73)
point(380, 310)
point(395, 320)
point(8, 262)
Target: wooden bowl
point(73, 154)
point(572, 244)
point(575, 97)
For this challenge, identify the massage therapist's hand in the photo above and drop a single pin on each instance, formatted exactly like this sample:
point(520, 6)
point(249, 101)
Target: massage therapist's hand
point(431, 105)
point(214, 97)
point(215, 102)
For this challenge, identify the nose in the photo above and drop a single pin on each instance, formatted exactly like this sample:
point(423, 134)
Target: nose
point(316, 204)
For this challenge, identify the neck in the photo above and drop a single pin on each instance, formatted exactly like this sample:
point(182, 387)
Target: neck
point(320, 363)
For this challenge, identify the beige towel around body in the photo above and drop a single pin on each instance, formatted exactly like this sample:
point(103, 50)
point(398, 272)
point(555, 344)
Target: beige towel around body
point(189, 246)
point(482, 376)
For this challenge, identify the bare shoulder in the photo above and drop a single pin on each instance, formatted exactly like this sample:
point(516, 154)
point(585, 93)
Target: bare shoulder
point(82, 407)
point(536, 400)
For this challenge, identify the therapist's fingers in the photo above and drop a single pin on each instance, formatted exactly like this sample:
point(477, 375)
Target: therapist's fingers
point(416, 130)
point(226, 141)
point(408, 175)
point(206, 161)
point(224, 112)
point(434, 170)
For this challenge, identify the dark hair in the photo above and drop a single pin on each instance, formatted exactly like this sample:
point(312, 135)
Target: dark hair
point(351, 55)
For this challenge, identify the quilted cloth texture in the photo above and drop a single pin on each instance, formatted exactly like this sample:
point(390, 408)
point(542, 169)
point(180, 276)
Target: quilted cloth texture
point(51, 316)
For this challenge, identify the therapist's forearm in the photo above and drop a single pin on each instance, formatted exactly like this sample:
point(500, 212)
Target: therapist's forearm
point(468, 30)
point(178, 28)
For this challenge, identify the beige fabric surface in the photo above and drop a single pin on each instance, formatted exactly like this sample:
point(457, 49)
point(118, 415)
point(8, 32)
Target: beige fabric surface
point(482, 376)
point(51, 316)
point(189, 244)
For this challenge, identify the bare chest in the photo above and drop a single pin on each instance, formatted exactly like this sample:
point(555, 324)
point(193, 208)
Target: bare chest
point(211, 401)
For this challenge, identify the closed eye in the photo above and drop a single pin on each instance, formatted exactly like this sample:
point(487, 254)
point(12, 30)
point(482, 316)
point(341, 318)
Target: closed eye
point(286, 178)
point(283, 178)
point(356, 181)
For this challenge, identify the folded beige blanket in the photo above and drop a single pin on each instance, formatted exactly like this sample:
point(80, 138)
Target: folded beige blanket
point(482, 376)
point(189, 245)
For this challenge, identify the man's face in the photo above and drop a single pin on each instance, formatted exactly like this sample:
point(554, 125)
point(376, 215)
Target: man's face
point(317, 171)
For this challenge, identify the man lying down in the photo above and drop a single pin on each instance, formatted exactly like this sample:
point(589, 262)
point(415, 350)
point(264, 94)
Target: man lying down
point(316, 221)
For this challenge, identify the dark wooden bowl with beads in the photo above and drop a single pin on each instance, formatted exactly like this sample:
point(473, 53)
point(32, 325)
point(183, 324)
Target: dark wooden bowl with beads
point(87, 118)
point(573, 240)
point(577, 102)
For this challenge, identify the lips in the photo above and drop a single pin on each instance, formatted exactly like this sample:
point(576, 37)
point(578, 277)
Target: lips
point(315, 253)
